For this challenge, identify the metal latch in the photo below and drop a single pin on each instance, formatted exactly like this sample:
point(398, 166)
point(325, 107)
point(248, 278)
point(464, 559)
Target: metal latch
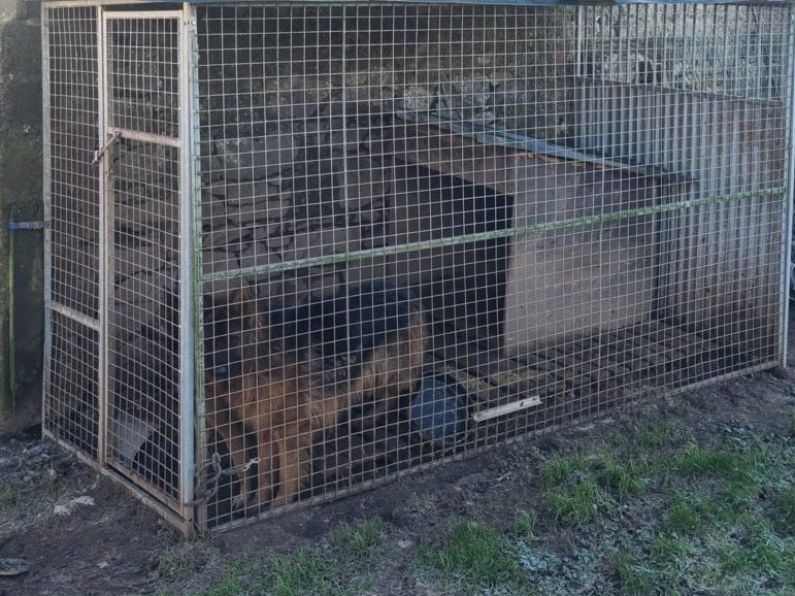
point(100, 153)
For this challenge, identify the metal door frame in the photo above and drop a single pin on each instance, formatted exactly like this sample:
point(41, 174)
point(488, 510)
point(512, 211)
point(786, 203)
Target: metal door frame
point(181, 512)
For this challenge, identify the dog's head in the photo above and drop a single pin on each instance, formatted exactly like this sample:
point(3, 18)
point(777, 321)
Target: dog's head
point(368, 316)
point(232, 333)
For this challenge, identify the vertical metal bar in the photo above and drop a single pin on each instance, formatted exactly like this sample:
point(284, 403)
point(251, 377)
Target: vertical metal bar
point(186, 289)
point(105, 242)
point(786, 239)
point(47, 194)
point(580, 33)
point(12, 378)
point(192, 66)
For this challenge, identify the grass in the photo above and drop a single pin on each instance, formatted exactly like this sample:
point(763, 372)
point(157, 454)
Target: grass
point(579, 489)
point(338, 566)
point(654, 438)
point(716, 531)
point(757, 551)
point(695, 462)
point(475, 554)
point(305, 574)
point(656, 510)
point(180, 561)
point(621, 480)
point(579, 505)
point(667, 550)
point(524, 527)
point(560, 470)
point(357, 543)
point(784, 511)
point(632, 576)
point(8, 497)
point(683, 518)
point(691, 515)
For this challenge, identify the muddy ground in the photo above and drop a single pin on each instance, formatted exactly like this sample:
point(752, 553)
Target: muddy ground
point(83, 535)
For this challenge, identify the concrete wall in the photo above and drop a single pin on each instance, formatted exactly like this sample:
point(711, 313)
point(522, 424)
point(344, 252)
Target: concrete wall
point(20, 199)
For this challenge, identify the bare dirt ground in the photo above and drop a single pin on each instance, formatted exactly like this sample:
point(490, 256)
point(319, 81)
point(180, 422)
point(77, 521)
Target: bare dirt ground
point(646, 501)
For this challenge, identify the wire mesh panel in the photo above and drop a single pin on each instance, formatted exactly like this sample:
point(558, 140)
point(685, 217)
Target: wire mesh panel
point(143, 75)
point(423, 229)
point(143, 193)
point(720, 126)
point(428, 228)
point(71, 407)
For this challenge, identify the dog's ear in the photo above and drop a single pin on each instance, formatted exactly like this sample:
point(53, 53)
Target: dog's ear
point(243, 305)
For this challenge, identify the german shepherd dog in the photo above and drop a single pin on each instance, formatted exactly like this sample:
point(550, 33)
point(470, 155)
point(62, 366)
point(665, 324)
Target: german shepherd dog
point(285, 377)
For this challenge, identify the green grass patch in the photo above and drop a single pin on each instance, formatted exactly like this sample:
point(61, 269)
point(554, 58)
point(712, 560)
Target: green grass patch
point(623, 481)
point(579, 505)
point(684, 517)
point(695, 461)
point(759, 556)
point(759, 552)
point(653, 438)
point(474, 553)
point(305, 574)
point(524, 525)
point(560, 470)
point(633, 577)
point(667, 550)
point(783, 511)
point(181, 560)
point(338, 566)
point(8, 498)
point(356, 543)
point(649, 513)
point(243, 578)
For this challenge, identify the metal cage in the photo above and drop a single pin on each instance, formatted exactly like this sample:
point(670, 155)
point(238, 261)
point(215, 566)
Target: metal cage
point(297, 249)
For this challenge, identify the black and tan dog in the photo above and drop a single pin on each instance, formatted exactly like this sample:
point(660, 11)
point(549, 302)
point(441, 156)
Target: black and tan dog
point(291, 373)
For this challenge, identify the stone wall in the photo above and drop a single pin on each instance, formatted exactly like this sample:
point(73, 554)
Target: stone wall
point(300, 106)
point(20, 199)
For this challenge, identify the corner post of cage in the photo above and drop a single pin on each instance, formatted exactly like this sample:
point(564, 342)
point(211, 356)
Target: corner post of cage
point(105, 213)
point(196, 287)
point(786, 259)
point(47, 204)
point(580, 25)
point(187, 344)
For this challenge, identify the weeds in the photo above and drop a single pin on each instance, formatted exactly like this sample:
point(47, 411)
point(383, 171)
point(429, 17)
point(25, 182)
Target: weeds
point(474, 553)
point(683, 517)
point(181, 560)
point(694, 462)
point(646, 517)
point(356, 543)
point(654, 438)
point(621, 480)
point(337, 567)
point(525, 525)
point(668, 550)
point(8, 497)
point(577, 506)
point(559, 470)
point(784, 511)
point(633, 577)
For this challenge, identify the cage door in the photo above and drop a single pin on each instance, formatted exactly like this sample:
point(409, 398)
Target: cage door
point(144, 191)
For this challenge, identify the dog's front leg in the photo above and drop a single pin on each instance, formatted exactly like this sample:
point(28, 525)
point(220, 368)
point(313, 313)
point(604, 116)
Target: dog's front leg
point(265, 453)
point(290, 469)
